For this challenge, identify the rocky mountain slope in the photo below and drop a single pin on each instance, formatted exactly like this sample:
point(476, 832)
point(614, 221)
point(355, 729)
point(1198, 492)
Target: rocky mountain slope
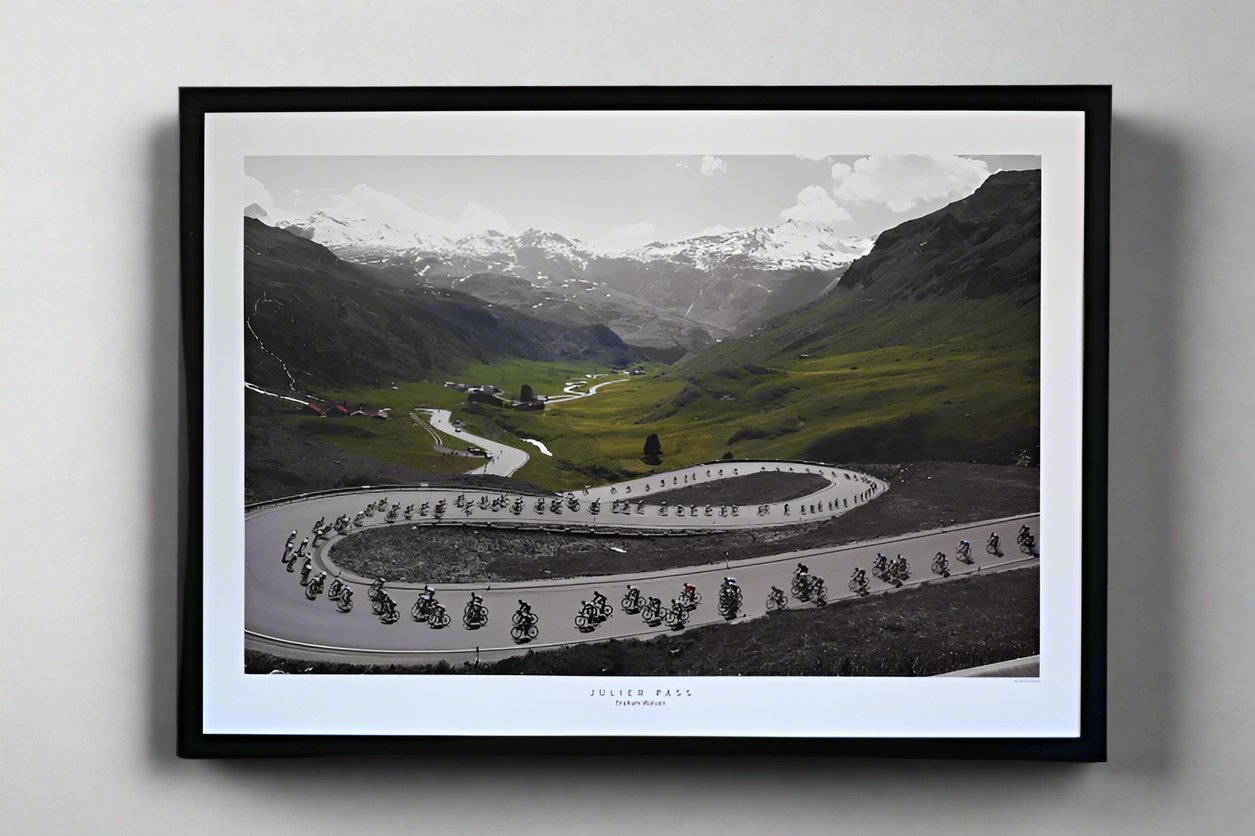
point(928, 348)
point(314, 320)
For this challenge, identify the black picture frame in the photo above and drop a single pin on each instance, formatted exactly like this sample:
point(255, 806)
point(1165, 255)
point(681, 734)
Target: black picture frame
point(1093, 101)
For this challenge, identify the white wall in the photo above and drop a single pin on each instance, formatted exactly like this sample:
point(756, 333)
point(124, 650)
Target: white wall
point(88, 361)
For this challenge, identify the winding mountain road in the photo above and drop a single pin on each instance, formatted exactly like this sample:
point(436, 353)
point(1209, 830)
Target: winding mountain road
point(278, 618)
point(503, 460)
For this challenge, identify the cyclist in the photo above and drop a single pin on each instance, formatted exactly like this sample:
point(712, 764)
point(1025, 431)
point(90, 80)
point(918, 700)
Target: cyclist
point(599, 603)
point(525, 613)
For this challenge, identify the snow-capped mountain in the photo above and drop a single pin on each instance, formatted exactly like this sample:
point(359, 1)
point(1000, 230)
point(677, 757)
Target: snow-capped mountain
point(341, 232)
point(724, 280)
point(791, 245)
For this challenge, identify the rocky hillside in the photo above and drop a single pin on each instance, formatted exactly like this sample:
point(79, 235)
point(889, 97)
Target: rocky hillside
point(314, 320)
point(922, 281)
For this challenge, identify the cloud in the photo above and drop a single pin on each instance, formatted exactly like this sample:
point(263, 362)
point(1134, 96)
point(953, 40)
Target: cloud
point(717, 229)
point(902, 181)
point(681, 164)
point(256, 192)
point(812, 156)
point(296, 198)
point(713, 165)
point(815, 205)
point(478, 218)
point(374, 205)
point(640, 232)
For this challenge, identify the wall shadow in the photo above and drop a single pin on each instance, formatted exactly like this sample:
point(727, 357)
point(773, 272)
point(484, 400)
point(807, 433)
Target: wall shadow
point(1151, 199)
point(167, 434)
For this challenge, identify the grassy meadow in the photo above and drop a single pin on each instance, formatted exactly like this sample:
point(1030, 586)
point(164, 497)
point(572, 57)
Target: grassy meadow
point(965, 388)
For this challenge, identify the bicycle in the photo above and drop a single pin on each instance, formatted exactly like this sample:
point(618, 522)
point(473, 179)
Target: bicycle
point(777, 600)
point(344, 603)
point(690, 598)
point(475, 616)
point(437, 617)
point(525, 631)
point(676, 617)
point(632, 601)
point(651, 613)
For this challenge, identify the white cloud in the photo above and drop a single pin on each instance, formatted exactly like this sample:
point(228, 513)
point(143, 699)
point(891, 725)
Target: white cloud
point(256, 192)
point(478, 218)
point(717, 229)
point(296, 198)
point(681, 164)
point(713, 165)
point(815, 205)
point(640, 232)
point(365, 202)
point(812, 156)
point(901, 181)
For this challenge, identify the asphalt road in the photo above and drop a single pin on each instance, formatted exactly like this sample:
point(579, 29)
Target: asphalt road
point(278, 615)
point(503, 459)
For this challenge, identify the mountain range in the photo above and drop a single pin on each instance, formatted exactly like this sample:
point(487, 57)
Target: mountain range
point(674, 296)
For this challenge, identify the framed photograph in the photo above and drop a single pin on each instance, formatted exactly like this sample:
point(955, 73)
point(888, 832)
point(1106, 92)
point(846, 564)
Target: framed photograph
point(618, 420)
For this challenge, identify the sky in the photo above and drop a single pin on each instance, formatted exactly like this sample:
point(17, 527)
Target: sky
point(617, 202)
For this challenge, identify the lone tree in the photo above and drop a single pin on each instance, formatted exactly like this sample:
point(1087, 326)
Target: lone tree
point(653, 447)
point(526, 394)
